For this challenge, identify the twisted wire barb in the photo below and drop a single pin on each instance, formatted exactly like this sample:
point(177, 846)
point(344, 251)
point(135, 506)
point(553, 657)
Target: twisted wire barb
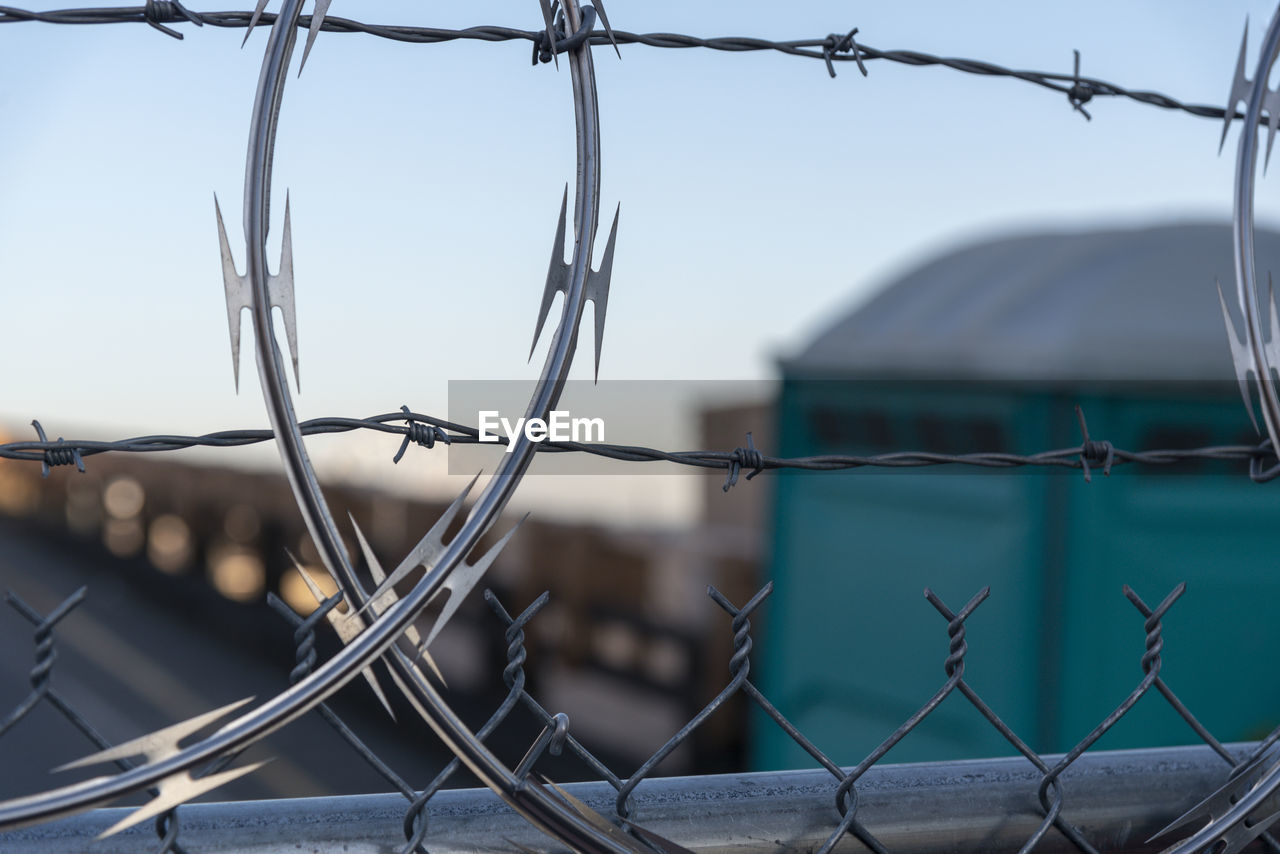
point(42, 690)
point(1090, 454)
point(828, 49)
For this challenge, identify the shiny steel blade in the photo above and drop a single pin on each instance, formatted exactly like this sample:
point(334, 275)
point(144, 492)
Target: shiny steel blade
point(1220, 800)
point(176, 791)
point(1240, 88)
point(317, 21)
point(557, 273)
point(159, 744)
point(428, 549)
point(378, 604)
point(598, 287)
point(551, 29)
point(253, 21)
point(347, 626)
point(239, 292)
point(1237, 813)
point(1240, 358)
point(461, 581)
point(604, 19)
point(1271, 103)
point(597, 281)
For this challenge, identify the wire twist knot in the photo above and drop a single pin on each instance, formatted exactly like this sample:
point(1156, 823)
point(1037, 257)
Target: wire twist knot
point(954, 663)
point(423, 434)
point(740, 661)
point(157, 13)
point(544, 51)
point(1152, 626)
point(63, 455)
point(747, 457)
point(1081, 92)
point(513, 673)
point(836, 43)
point(1094, 452)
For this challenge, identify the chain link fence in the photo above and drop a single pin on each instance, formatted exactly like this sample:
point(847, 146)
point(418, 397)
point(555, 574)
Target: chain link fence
point(827, 810)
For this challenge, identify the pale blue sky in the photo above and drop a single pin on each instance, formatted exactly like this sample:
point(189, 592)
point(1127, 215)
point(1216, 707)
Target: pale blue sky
point(758, 196)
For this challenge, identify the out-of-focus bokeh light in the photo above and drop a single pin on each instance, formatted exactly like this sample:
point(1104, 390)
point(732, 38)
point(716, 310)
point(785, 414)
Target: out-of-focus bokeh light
point(237, 574)
point(294, 590)
point(169, 544)
point(123, 498)
point(123, 537)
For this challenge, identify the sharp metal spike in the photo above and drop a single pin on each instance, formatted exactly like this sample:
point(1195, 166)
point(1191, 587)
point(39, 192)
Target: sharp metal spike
point(280, 291)
point(1272, 106)
point(388, 598)
point(1218, 803)
point(347, 626)
point(317, 21)
point(1240, 86)
point(239, 292)
point(604, 19)
point(428, 549)
point(177, 790)
point(236, 287)
point(1240, 357)
point(659, 842)
point(600, 822)
point(159, 744)
point(1272, 347)
point(557, 272)
point(463, 579)
point(253, 21)
point(551, 29)
point(598, 287)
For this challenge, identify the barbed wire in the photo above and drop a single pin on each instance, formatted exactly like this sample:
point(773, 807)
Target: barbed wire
point(830, 49)
point(426, 430)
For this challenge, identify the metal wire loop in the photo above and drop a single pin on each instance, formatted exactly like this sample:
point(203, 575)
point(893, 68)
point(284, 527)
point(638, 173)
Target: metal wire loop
point(544, 51)
point(159, 12)
point(1080, 92)
point(57, 455)
point(842, 44)
point(747, 457)
point(1093, 452)
point(422, 434)
point(1257, 473)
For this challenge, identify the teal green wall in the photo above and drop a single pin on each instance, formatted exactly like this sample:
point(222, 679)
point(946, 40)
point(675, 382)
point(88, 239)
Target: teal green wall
point(850, 647)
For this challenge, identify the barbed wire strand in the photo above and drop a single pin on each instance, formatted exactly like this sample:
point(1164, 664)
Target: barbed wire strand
point(829, 49)
point(1090, 454)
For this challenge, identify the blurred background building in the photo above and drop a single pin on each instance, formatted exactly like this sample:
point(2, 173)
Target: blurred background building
point(990, 348)
point(987, 348)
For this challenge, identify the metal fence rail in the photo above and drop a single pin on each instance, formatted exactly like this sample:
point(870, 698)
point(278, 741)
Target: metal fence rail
point(1077, 800)
point(1119, 798)
point(1027, 802)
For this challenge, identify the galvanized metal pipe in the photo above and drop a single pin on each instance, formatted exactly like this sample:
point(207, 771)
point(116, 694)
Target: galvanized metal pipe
point(1117, 798)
